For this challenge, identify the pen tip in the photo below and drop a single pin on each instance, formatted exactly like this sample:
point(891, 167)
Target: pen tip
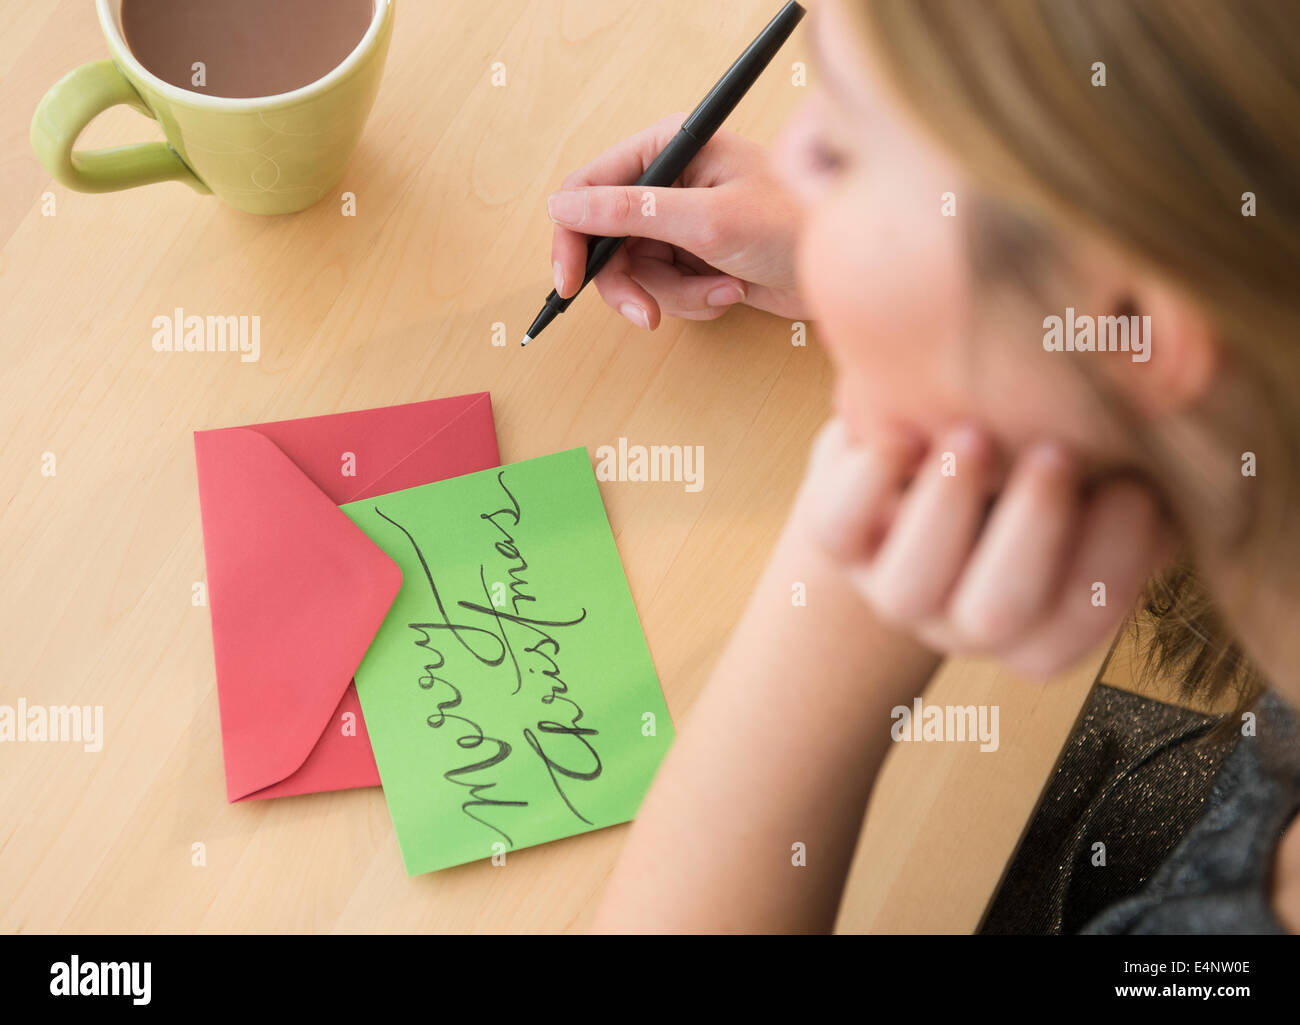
point(527, 339)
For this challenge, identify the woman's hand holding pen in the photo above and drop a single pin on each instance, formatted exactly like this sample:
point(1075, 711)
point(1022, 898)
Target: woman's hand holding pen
point(726, 235)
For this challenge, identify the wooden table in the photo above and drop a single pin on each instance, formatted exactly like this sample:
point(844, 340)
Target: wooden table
point(396, 304)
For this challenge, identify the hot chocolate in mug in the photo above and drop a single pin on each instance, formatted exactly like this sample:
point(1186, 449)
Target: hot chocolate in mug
point(173, 60)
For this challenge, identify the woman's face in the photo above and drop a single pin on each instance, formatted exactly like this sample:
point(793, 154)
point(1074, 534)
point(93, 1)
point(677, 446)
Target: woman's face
point(887, 276)
point(920, 341)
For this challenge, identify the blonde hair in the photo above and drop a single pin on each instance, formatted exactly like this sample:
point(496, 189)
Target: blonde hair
point(1195, 120)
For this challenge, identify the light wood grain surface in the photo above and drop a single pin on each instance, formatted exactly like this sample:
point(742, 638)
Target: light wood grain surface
point(395, 305)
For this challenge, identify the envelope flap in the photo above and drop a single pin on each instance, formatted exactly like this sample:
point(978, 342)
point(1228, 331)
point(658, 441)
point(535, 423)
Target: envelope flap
point(296, 593)
point(463, 442)
point(345, 453)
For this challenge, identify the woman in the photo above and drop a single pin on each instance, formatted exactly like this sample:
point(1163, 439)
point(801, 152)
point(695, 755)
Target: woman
point(1052, 251)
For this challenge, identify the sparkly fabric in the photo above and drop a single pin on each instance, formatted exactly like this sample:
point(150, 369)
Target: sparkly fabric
point(1188, 822)
point(1216, 881)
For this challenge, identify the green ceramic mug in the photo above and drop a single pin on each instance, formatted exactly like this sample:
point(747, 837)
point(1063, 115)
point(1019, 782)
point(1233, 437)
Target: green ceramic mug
point(266, 154)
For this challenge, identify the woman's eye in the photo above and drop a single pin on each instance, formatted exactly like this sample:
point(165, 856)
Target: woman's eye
point(826, 158)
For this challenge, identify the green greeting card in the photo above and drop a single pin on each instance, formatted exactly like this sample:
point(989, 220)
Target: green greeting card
point(509, 694)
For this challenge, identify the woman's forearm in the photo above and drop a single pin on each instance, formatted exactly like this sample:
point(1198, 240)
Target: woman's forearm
point(780, 749)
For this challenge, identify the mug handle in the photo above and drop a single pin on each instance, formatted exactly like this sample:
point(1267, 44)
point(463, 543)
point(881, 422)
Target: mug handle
point(71, 104)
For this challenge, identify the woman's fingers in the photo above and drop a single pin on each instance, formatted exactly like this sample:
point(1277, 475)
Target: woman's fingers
point(623, 293)
point(689, 219)
point(568, 261)
point(693, 219)
point(625, 161)
point(1038, 576)
point(1016, 568)
point(678, 294)
point(1124, 539)
point(628, 158)
point(850, 490)
point(934, 530)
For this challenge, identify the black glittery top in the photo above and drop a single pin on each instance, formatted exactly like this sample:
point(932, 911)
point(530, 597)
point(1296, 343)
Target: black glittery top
point(1217, 878)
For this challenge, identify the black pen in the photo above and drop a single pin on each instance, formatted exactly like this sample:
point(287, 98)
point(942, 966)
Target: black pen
point(696, 130)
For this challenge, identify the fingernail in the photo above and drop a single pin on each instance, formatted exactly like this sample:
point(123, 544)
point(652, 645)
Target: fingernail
point(1051, 455)
point(970, 437)
point(970, 445)
point(635, 314)
point(559, 277)
point(568, 208)
point(724, 295)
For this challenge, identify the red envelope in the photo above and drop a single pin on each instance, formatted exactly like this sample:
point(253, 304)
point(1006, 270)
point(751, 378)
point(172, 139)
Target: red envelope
point(297, 591)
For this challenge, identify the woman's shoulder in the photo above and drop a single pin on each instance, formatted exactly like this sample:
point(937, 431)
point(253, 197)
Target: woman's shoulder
point(1217, 878)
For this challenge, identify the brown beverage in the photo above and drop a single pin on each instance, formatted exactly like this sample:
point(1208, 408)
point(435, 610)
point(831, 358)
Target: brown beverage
point(247, 47)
